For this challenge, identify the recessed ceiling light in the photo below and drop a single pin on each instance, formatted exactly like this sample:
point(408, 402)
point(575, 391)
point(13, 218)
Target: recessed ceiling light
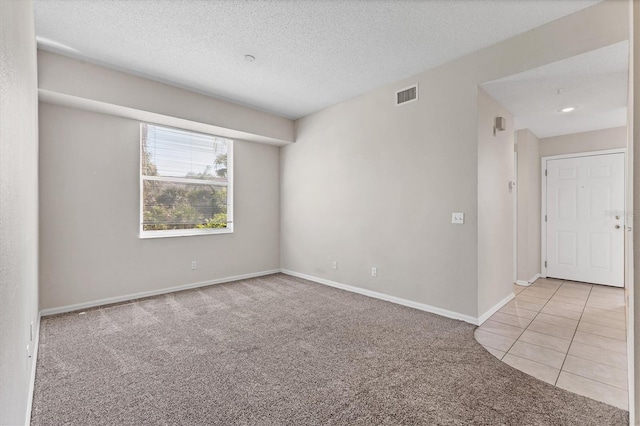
point(567, 109)
point(249, 58)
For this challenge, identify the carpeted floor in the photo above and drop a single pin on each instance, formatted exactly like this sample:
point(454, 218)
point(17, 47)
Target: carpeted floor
point(280, 350)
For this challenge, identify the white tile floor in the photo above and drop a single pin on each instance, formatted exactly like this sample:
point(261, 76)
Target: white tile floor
point(569, 334)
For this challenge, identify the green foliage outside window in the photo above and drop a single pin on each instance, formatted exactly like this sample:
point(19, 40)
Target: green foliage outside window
point(200, 202)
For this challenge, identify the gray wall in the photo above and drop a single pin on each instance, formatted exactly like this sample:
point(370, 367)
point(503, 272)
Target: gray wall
point(529, 199)
point(495, 204)
point(371, 184)
point(18, 205)
point(89, 215)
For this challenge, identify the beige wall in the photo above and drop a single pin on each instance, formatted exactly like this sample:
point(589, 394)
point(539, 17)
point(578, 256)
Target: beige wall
point(18, 206)
point(529, 199)
point(495, 204)
point(89, 215)
point(371, 184)
point(595, 140)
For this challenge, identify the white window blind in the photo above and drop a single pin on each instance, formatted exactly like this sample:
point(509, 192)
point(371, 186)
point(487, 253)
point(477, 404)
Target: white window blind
point(185, 182)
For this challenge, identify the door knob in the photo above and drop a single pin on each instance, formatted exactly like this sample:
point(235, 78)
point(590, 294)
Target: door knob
point(617, 226)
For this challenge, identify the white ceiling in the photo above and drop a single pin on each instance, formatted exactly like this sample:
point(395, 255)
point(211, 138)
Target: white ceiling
point(595, 83)
point(309, 54)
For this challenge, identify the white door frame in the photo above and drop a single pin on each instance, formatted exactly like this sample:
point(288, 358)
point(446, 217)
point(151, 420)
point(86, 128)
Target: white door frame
point(515, 216)
point(543, 193)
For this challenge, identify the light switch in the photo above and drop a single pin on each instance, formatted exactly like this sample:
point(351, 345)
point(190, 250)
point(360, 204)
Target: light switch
point(457, 218)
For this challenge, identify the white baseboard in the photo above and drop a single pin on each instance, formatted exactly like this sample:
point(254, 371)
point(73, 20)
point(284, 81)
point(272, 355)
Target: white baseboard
point(530, 281)
point(495, 309)
point(127, 297)
point(32, 379)
point(393, 299)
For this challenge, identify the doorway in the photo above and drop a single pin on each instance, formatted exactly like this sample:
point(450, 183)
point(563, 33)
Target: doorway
point(583, 201)
point(572, 327)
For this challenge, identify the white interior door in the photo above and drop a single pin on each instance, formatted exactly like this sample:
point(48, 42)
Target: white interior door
point(585, 219)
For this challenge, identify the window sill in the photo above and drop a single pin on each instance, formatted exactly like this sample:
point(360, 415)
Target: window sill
point(183, 233)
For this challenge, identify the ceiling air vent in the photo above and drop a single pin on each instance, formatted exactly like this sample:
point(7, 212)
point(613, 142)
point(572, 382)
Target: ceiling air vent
point(409, 94)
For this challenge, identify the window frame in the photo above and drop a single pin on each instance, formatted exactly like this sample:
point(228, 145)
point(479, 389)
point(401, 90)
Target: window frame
point(142, 234)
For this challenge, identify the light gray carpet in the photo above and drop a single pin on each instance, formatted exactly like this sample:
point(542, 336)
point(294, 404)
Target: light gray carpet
point(279, 350)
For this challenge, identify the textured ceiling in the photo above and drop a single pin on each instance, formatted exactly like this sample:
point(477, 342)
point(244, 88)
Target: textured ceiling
point(595, 83)
point(309, 54)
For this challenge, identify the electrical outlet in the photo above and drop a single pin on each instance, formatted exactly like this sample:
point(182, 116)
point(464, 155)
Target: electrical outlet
point(194, 265)
point(335, 264)
point(374, 272)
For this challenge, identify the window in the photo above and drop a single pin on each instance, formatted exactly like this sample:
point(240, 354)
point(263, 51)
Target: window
point(185, 183)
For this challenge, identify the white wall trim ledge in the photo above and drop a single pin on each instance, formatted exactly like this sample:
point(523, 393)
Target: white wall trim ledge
point(393, 299)
point(77, 102)
point(70, 82)
point(495, 308)
point(134, 296)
